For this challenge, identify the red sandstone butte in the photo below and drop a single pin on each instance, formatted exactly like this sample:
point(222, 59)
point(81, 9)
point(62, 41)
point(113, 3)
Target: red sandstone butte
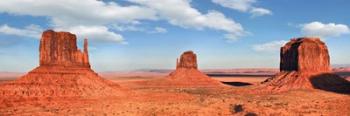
point(60, 49)
point(305, 55)
point(187, 73)
point(64, 71)
point(305, 64)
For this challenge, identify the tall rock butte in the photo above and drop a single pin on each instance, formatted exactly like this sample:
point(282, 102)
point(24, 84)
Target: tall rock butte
point(64, 71)
point(305, 55)
point(187, 73)
point(305, 64)
point(60, 49)
point(188, 60)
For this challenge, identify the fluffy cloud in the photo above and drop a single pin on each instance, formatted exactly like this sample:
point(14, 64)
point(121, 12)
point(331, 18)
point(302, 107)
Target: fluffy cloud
point(324, 30)
point(89, 18)
point(243, 6)
point(240, 5)
point(76, 12)
point(260, 12)
point(135, 28)
point(126, 27)
point(270, 46)
point(180, 13)
point(32, 31)
point(84, 18)
point(92, 32)
point(95, 32)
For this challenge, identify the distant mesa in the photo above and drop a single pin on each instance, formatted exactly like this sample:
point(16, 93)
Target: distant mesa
point(187, 60)
point(187, 73)
point(305, 64)
point(64, 71)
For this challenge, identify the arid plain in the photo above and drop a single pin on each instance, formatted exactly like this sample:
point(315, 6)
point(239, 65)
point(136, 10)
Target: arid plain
point(223, 101)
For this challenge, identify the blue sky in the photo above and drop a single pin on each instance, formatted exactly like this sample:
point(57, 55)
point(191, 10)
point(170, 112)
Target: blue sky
point(151, 34)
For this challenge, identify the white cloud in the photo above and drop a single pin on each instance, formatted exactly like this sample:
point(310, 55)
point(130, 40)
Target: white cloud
point(270, 46)
point(180, 13)
point(96, 14)
point(92, 32)
point(95, 33)
point(159, 30)
point(76, 12)
point(127, 27)
point(260, 12)
point(240, 5)
point(87, 18)
point(243, 6)
point(324, 30)
point(32, 31)
point(123, 28)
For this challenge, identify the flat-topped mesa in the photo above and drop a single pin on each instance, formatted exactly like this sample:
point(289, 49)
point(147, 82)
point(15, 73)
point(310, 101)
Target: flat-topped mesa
point(305, 64)
point(60, 49)
point(305, 55)
point(187, 60)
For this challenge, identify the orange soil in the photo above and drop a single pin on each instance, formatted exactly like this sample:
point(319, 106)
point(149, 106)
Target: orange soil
point(216, 101)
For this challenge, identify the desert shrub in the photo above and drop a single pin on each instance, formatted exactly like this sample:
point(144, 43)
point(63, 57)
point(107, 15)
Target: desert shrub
point(235, 108)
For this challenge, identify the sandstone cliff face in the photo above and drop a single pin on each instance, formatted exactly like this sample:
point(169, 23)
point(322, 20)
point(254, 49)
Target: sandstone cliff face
point(305, 55)
point(64, 71)
point(305, 64)
point(187, 73)
point(60, 49)
point(187, 60)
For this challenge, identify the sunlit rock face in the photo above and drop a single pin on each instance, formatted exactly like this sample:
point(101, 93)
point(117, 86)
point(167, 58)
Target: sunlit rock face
point(305, 64)
point(187, 60)
point(305, 55)
point(64, 71)
point(60, 49)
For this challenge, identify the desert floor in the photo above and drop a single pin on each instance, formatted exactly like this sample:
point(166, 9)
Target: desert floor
point(234, 98)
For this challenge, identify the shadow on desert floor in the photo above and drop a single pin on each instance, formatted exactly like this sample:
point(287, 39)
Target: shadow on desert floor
point(237, 83)
point(331, 82)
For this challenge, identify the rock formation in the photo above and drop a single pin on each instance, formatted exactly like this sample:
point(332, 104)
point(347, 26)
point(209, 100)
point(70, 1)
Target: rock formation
point(187, 73)
point(305, 55)
point(305, 64)
point(64, 71)
point(187, 60)
point(60, 49)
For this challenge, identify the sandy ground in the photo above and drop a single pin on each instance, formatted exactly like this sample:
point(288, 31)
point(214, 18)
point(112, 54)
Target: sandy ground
point(233, 99)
